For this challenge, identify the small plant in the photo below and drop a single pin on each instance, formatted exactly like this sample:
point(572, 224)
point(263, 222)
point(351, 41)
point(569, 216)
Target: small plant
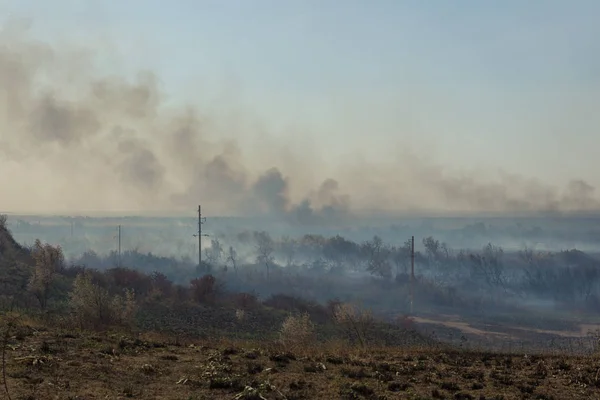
point(240, 315)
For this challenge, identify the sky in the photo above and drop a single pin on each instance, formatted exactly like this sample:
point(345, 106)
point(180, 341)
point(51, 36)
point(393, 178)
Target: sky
point(356, 91)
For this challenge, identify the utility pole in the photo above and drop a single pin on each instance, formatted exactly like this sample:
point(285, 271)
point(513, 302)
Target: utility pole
point(201, 220)
point(412, 272)
point(119, 246)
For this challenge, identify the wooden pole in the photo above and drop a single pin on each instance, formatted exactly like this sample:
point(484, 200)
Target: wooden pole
point(412, 272)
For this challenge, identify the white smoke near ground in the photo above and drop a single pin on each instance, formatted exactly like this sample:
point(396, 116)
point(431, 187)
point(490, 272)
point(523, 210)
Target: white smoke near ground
point(71, 139)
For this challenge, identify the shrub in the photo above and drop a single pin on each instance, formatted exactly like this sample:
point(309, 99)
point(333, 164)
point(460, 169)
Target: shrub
point(245, 301)
point(205, 289)
point(240, 315)
point(406, 322)
point(356, 321)
point(297, 305)
point(94, 307)
point(129, 278)
point(297, 330)
point(161, 284)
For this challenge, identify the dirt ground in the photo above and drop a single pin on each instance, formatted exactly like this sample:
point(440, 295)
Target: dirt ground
point(65, 365)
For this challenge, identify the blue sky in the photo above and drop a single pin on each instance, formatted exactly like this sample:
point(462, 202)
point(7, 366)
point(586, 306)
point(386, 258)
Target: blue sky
point(494, 84)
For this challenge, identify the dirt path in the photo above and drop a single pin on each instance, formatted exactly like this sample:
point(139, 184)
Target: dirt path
point(462, 326)
point(584, 330)
point(453, 321)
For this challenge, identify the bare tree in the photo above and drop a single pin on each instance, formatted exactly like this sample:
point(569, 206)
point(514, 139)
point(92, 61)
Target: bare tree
point(264, 248)
point(432, 247)
point(288, 248)
point(490, 265)
point(401, 257)
point(436, 252)
point(232, 257)
point(214, 253)
point(48, 261)
point(378, 257)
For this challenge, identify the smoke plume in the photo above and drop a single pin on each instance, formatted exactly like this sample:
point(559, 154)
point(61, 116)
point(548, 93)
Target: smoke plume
point(71, 139)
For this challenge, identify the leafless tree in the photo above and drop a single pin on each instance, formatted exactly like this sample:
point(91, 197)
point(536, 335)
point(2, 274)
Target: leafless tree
point(437, 253)
point(264, 249)
point(490, 265)
point(377, 256)
point(288, 248)
point(432, 247)
point(214, 253)
point(232, 257)
point(401, 257)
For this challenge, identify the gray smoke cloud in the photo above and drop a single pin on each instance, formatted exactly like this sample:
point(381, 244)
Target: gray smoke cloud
point(73, 140)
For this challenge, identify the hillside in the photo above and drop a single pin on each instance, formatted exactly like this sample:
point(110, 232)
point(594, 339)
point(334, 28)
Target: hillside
point(10, 250)
point(15, 267)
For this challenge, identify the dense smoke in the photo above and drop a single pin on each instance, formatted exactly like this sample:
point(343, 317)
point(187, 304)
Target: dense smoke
point(73, 140)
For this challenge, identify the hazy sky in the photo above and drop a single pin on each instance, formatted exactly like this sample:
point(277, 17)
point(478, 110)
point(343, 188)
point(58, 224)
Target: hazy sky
point(473, 85)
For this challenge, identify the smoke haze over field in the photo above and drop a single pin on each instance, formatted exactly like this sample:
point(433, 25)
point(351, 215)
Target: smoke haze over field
point(75, 138)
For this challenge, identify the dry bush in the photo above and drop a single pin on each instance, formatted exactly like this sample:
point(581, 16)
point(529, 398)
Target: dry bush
point(406, 322)
point(297, 330)
point(245, 301)
point(161, 285)
point(298, 305)
point(205, 289)
point(48, 261)
point(95, 307)
point(355, 320)
point(125, 278)
point(240, 315)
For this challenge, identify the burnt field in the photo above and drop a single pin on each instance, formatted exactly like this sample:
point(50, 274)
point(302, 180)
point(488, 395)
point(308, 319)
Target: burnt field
point(44, 364)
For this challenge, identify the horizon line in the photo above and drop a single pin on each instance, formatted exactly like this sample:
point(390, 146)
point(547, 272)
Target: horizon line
point(364, 213)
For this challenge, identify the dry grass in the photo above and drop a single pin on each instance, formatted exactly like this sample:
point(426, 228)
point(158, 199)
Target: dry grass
point(45, 364)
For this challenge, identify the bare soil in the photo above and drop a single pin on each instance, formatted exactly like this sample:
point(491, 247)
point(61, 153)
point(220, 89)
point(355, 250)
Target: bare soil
point(50, 364)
